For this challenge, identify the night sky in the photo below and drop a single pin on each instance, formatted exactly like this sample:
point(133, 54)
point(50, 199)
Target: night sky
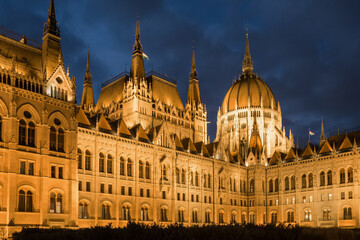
point(307, 51)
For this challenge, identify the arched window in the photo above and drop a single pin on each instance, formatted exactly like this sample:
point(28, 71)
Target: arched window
point(61, 140)
point(181, 215)
point(209, 180)
point(307, 216)
point(105, 211)
point(29, 201)
point(109, 164)
point(87, 160)
point(31, 134)
point(303, 181)
point(329, 177)
point(178, 175)
point(221, 217)
point(326, 214)
point(273, 217)
point(271, 185)
point(194, 216)
point(52, 138)
point(126, 213)
point(196, 179)
point(122, 166)
point(290, 216)
point(322, 178)
point(207, 217)
point(52, 202)
point(347, 213)
point(287, 184)
point(252, 186)
point(59, 203)
point(22, 132)
point(276, 185)
point(83, 211)
point(342, 176)
point(183, 176)
point(144, 215)
point(163, 215)
point(141, 169)
point(350, 175)
point(204, 179)
point(79, 156)
point(129, 167)
point(293, 183)
point(233, 217)
point(21, 205)
point(147, 170)
point(311, 180)
point(101, 162)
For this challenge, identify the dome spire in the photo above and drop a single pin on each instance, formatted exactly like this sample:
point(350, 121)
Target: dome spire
point(247, 66)
point(51, 25)
point(137, 45)
point(193, 91)
point(87, 98)
point(88, 76)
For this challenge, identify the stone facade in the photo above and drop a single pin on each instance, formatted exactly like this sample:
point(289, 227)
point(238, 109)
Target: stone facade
point(141, 155)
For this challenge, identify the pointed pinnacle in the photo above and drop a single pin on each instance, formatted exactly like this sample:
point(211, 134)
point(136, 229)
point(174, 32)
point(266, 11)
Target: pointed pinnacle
point(88, 76)
point(193, 73)
point(247, 63)
point(137, 44)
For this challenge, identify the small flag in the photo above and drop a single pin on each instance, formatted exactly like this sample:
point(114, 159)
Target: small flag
point(311, 133)
point(145, 56)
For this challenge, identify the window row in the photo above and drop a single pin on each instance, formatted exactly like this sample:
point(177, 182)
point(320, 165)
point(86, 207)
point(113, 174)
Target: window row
point(25, 202)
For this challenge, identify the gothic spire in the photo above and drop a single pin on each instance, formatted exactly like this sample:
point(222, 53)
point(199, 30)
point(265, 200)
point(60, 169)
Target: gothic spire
point(87, 98)
point(51, 26)
point(88, 77)
point(322, 136)
point(194, 91)
point(137, 69)
point(247, 66)
point(193, 73)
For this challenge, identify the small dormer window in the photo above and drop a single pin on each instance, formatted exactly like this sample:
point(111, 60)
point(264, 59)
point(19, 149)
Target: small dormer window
point(59, 80)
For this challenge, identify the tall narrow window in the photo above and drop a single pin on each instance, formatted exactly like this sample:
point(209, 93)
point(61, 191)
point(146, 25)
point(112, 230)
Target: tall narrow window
point(29, 201)
point(52, 139)
point(183, 176)
point(129, 167)
point(87, 160)
point(276, 185)
point(303, 181)
point(31, 134)
point(209, 181)
point(271, 186)
point(101, 162)
point(196, 179)
point(122, 166)
point(61, 140)
point(79, 156)
point(0, 125)
point(52, 202)
point(178, 175)
point(59, 203)
point(109, 164)
point(293, 183)
point(329, 177)
point(22, 132)
point(350, 175)
point(311, 180)
point(322, 178)
point(141, 169)
point(287, 185)
point(21, 205)
point(147, 170)
point(342, 176)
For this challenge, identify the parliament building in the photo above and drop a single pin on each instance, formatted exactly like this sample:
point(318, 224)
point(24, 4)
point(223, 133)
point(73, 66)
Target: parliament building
point(141, 154)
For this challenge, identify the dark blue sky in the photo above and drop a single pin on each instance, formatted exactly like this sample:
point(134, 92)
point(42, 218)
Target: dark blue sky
point(307, 51)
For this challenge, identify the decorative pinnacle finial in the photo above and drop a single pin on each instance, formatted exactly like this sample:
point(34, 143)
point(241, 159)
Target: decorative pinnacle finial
point(88, 76)
point(247, 66)
point(51, 24)
point(193, 73)
point(137, 46)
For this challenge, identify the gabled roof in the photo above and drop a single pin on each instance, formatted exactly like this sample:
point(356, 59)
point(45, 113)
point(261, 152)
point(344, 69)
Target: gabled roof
point(308, 151)
point(123, 129)
point(103, 123)
point(346, 144)
point(275, 158)
point(201, 148)
point(178, 144)
point(291, 155)
point(140, 134)
point(82, 118)
point(188, 145)
point(211, 147)
point(326, 148)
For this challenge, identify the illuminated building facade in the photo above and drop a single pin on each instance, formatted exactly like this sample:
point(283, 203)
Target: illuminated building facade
point(140, 154)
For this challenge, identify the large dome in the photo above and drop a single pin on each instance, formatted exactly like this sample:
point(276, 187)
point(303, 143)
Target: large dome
point(248, 87)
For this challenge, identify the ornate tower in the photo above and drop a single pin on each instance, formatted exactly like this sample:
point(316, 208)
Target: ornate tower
point(137, 102)
point(51, 47)
point(87, 99)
